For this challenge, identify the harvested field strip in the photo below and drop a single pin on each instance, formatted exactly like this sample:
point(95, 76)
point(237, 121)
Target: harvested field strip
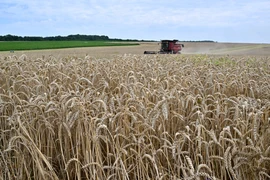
point(240, 48)
point(135, 117)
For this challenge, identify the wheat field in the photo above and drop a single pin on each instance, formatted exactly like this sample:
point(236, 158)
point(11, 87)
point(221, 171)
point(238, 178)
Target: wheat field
point(135, 117)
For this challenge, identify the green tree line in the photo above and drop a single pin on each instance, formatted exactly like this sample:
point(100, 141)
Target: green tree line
point(76, 37)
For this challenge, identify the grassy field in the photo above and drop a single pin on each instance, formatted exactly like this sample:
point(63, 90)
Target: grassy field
point(34, 45)
point(169, 117)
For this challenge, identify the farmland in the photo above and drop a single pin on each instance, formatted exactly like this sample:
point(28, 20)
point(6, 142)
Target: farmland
point(35, 45)
point(114, 113)
point(236, 49)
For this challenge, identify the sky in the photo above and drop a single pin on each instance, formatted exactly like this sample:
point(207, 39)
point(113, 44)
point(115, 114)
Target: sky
point(189, 20)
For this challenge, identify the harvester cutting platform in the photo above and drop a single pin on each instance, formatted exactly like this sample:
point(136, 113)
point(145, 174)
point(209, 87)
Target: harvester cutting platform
point(168, 47)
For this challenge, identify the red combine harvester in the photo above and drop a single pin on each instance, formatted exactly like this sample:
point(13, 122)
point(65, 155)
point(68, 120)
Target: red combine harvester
point(168, 47)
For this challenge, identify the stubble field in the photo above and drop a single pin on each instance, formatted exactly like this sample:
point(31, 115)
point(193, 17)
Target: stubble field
point(114, 113)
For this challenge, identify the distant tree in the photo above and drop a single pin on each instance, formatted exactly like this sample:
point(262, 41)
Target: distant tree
point(76, 37)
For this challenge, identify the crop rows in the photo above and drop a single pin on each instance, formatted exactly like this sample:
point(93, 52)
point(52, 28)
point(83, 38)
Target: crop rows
point(135, 117)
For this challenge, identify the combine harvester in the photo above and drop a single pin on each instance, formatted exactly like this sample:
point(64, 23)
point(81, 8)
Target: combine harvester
point(168, 47)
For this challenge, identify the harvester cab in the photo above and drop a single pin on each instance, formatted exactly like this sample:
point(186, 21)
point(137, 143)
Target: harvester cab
point(168, 47)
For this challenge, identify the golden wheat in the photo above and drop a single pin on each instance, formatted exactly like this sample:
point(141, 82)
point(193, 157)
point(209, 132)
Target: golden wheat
point(135, 117)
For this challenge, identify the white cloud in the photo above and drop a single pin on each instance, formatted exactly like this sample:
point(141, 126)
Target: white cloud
point(120, 17)
point(137, 12)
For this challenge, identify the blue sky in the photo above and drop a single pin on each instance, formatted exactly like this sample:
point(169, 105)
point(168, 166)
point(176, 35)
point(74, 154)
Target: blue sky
point(222, 21)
